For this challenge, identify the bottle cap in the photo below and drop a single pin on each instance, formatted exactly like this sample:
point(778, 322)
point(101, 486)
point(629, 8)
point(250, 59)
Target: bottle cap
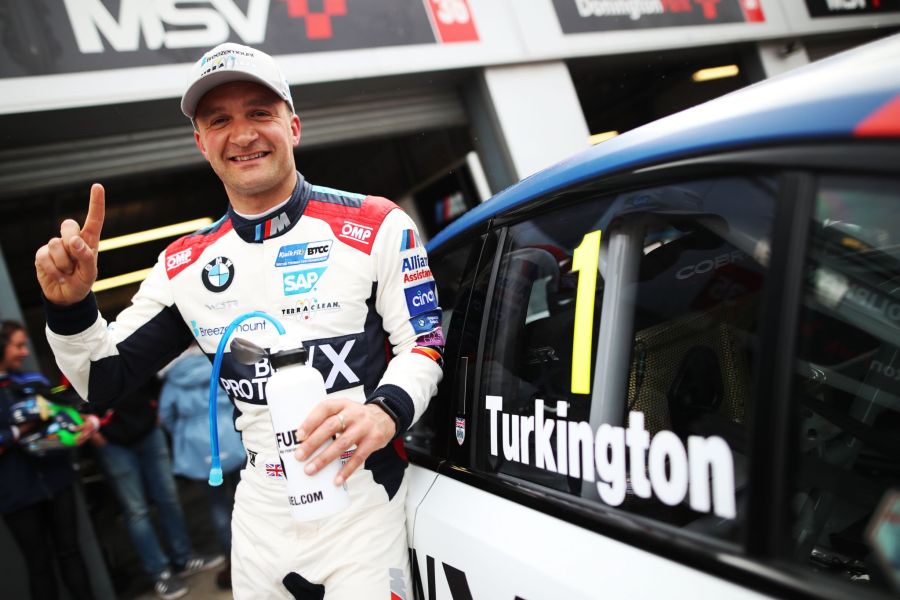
point(289, 357)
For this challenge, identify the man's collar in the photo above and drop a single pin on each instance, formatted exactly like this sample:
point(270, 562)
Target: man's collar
point(277, 223)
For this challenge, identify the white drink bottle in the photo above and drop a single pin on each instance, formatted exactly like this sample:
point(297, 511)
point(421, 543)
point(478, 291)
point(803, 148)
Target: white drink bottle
point(291, 392)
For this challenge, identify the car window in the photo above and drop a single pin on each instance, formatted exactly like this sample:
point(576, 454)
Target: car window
point(847, 386)
point(453, 271)
point(646, 412)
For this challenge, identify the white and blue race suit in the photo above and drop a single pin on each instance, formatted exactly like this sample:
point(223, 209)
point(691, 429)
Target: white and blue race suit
point(348, 276)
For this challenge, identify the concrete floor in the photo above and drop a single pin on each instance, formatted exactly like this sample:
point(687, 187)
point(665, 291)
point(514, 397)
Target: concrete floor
point(203, 587)
point(122, 563)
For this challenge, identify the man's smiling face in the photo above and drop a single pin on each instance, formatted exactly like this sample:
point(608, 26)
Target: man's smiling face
point(247, 133)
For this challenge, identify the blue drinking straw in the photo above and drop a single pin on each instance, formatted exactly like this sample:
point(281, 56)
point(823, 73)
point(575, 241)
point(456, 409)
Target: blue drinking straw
point(215, 469)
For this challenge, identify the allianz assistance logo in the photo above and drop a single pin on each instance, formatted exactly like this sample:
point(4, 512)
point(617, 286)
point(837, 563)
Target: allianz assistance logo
point(177, 24)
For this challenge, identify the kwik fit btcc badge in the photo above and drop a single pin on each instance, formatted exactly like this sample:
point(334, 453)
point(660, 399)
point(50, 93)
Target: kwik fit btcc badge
point(218, 274)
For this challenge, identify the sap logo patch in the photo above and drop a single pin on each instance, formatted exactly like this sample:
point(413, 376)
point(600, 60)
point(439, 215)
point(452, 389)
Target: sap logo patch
point(178, 259)
point(301, 282)
point(300, 254)
point(218, 274)
point(426, 322)
point(421, 298)
point(355, 231)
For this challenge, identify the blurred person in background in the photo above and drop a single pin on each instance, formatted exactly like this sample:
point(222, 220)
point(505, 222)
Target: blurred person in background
point(133, 454)
point(37, 480)
point(183, 412)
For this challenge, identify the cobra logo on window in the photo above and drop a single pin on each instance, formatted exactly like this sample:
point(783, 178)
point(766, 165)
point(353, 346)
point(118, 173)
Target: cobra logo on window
point(301, 282)
point(421, 298)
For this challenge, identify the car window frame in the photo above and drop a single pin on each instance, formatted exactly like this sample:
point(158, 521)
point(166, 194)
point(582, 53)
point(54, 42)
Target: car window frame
point(761, 563)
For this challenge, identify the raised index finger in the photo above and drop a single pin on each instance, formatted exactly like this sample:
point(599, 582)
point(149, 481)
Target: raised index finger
point(93, 223)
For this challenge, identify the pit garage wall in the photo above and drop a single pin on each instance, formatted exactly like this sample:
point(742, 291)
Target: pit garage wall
point(71, 53)
point(521, 104)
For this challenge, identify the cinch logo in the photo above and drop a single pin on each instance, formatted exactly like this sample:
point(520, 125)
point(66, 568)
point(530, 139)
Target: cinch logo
point(165, 24)
point(355, 231)
point(421, 298)
point(178, 259)
point(299, 254)
point(301, 282)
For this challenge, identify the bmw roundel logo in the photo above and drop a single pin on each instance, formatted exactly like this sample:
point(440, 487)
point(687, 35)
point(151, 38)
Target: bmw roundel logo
point(218, 274)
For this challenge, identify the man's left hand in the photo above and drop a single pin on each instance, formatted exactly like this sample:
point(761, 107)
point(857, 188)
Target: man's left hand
point(365, 425)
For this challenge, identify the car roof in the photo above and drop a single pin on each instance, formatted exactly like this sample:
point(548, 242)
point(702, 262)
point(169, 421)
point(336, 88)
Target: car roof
point(852, 94)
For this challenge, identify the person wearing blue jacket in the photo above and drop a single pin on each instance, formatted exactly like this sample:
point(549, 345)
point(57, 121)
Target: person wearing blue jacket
point(184, 413)
point(37, 495)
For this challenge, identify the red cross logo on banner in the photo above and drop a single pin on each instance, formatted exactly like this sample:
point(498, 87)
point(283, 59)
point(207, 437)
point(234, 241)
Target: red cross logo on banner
point(318, 23)
point(710, 8)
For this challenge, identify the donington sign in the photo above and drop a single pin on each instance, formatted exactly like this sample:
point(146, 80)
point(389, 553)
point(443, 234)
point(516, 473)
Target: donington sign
point(69, 36)
point(582, 16)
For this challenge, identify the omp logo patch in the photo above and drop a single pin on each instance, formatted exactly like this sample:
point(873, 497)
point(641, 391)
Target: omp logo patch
point(301, 282)
point(178, 259)
point(355, 231)
point(300, 254)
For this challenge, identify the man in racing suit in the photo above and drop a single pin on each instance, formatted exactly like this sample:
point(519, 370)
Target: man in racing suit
point(344, 273)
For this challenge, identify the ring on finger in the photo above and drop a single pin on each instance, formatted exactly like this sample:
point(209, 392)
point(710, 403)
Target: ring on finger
point(341, 419)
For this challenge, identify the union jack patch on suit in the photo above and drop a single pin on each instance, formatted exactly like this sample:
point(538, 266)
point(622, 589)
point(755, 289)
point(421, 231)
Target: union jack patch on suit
point(274, 470)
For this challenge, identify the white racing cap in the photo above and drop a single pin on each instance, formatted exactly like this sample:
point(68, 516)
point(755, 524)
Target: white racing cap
point(232, 62)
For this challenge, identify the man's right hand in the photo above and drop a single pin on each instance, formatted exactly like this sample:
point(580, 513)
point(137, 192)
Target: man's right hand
point(67, 265)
